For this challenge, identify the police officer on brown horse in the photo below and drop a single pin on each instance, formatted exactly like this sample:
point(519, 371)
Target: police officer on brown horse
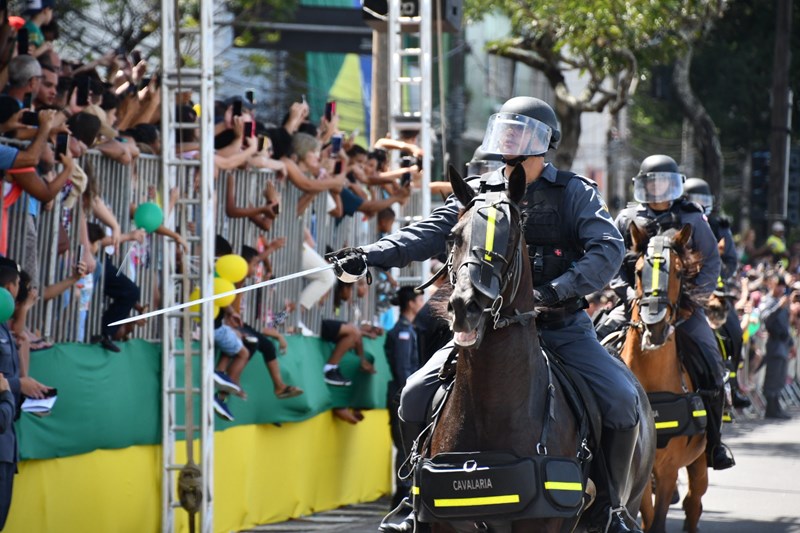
point(574, 249)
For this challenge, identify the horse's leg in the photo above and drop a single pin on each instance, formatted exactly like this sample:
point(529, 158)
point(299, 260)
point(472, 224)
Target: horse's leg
point(666, 478)
point(698, 484)
point(646, 507)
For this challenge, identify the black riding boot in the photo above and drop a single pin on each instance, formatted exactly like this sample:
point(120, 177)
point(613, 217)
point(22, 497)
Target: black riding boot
point(618, 447)
point(718, 455)
point(399, 520)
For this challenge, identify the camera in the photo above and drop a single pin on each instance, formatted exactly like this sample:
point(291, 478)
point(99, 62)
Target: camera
point(406, 162)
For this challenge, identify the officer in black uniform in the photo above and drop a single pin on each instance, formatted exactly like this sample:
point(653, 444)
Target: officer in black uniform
point(481, 162)
point(659, 189)
point(574, 249)
point(730, 333)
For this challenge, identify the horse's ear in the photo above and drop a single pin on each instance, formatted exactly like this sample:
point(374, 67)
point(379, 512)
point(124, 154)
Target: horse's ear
point(461, 189)
point(639, 236)
point(517, 184)
point(683, 236)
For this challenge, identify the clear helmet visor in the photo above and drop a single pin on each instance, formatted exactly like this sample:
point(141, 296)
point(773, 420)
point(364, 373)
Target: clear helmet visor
point(656, 187)
point(510, 134)
point(706, 201)
point(479, 167)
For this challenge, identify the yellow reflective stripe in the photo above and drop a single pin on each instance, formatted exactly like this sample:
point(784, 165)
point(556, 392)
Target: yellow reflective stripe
point(563, 485)
point(668, 424)
point(656, 266)
point(727, 418)
point(732, 374)
point(414, 490)
point(699, 412)
point(490, 223)
point(485, 500)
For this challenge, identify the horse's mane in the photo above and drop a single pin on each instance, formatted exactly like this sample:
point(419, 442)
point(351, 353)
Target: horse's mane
point(692, 263)
point(438, 301)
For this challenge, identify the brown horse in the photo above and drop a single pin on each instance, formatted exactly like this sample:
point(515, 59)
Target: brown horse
point(504, 397)
point(665, 269)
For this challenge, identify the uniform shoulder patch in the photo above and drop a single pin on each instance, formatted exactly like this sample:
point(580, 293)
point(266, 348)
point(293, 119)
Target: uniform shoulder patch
point(404, 335)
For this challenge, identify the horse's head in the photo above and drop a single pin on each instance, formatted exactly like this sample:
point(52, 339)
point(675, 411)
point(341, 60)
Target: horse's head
point(486, 257)
point(661, 270)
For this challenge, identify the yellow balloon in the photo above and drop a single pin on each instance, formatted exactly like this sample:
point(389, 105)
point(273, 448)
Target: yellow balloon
point(232, 267)
point(223, 285)
point(195, 295)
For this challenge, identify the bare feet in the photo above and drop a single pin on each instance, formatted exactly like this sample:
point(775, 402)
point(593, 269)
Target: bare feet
point(348, 415)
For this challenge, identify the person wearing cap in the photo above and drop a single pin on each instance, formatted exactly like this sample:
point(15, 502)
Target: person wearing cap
point(658, 189)
point(39, 13)
point(574, 249)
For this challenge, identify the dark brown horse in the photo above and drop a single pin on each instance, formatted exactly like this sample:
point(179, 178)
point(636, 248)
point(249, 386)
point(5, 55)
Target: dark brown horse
point(663, 275)
point(504, 397)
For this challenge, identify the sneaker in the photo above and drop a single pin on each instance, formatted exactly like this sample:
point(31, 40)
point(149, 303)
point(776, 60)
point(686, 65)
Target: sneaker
point(335, 378)
point(224, 383)
point(221, 408)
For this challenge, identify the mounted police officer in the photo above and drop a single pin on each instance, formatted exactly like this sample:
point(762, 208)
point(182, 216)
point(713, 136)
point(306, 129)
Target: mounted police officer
point(659, 189)
point(574, 248)
point(730, 333)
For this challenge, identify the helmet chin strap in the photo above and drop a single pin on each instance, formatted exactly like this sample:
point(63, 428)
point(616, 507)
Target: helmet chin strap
point(515, 161)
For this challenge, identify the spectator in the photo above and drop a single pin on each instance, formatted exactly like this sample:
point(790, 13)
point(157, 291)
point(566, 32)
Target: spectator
point(262, 339)
point(346, 337)
point(402, 353)
point(39, 13)
point(775, 316)
point(775, 247)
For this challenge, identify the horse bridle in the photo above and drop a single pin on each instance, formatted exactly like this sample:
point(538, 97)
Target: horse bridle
point(654, 302)
point(490, 270)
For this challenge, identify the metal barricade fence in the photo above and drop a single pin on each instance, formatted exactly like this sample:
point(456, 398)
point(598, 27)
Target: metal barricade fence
point(76, 314)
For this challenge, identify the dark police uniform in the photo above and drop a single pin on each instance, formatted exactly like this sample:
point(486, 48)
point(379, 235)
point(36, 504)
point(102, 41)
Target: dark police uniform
point(578, 252)
point(402, 353)
point(11, 401)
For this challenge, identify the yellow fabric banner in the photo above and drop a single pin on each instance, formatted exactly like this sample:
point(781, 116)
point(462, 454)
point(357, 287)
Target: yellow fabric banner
point(262, 474)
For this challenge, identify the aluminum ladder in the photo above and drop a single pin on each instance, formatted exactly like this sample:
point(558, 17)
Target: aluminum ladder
point(188, 484)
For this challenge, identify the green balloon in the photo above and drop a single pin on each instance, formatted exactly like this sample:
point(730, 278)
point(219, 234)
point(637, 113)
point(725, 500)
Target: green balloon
point(148, 217)
point(6, 304)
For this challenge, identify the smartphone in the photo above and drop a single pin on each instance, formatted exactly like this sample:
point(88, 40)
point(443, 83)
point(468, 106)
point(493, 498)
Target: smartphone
point(260, 142)
point(406, 162)
point(51, 392)
point(337, 168)
point(330, 110)
point(27, 102)
point(248, 129)
point(30, 118)
point(336, 144)
point(22, 42)
point(237, 108)
point(62, 144)
point(82, 99)
point(79, 257)
point(136, 57)
point(250, 94)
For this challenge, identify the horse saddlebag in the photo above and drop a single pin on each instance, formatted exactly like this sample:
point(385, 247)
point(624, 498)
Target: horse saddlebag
point(496, 485)
point(677, 415)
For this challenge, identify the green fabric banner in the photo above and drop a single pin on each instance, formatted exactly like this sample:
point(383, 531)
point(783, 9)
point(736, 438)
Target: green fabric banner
point(113, 400)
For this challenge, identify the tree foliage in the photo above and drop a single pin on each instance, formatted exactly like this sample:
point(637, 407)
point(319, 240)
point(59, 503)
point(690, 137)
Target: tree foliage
point(607, 41)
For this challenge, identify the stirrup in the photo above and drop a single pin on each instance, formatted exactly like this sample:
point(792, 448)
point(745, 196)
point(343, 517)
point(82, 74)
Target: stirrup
point(398, 518)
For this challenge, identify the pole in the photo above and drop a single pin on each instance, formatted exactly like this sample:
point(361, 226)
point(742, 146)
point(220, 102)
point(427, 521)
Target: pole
point(779, 137)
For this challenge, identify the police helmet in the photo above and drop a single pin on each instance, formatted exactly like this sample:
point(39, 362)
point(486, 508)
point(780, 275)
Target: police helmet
point(698, 191)
point(524, 126)
point(482, 163)
point(658, 180)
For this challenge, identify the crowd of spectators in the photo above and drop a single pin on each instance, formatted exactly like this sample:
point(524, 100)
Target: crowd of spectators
point(54, 109)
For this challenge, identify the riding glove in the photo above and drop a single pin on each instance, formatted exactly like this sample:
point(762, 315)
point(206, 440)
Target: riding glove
point(545, 296)
point(349, 264)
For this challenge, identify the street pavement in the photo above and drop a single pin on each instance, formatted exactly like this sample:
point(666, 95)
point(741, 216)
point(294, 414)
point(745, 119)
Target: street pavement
point(761, 494)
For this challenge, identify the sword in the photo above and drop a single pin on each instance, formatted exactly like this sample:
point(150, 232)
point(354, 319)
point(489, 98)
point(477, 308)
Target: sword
point(223, 294)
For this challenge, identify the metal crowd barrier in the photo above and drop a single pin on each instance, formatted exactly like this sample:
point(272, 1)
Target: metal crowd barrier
point(76, 314)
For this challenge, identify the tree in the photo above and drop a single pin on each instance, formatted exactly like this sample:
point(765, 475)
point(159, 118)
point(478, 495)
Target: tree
point(606, 40)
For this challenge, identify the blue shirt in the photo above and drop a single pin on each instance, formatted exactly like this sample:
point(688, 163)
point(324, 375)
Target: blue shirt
point(8, 156)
